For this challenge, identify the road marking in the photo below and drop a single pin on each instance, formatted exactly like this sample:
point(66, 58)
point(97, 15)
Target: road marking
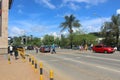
point(90, 64)
point(108, 69)
point(85, 63)
point(53, 60)
point(103, 58)
point(78, 57)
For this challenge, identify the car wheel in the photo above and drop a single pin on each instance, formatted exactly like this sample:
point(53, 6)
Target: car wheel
point(105, 51)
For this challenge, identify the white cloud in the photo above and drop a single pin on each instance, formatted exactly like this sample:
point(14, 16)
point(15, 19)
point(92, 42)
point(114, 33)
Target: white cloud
point(87, 6)
point(118, 11)
point(31, 28)
point(65, 1)
point(93, 25)
point(73, 6)
point(20, 7)
point(47, 3)
point(95, 2)
point(54, 34)
point(20, 11)
point(15, 31)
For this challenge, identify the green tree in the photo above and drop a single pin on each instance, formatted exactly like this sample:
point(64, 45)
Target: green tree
point(36, 41)
point(111, 30)
point(48, 40)
point(116, 26)
point(69, 23)
point(64, 42)
point(16, 41)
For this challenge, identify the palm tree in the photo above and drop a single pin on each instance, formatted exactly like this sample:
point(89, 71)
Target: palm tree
point(116, 26)
point(70, 22)
point(112, 29)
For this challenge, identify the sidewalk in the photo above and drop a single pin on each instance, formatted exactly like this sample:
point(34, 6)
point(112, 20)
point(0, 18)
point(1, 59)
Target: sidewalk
point(17, 70)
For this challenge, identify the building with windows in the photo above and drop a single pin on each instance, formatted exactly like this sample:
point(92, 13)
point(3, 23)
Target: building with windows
point(5, 5)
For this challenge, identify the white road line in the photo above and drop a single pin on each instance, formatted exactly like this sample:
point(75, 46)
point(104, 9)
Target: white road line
point(53, 60)
point(90, 64)
point(97, 57)
point(106, 68)
point(78, 57)
point(98, 66)
point(103, 58)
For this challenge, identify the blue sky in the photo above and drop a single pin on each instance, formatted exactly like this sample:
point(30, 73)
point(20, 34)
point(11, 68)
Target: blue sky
point(40, 17)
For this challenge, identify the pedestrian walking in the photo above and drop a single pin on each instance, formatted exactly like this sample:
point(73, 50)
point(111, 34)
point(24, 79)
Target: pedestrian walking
point(91, 46)
point(80, 47)
point(53, 49)
point(16, 53)
point(86, 47)
point(10, 50)
point(36, 48)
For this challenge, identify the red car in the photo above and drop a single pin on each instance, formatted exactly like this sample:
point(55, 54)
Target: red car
point(103, 49)
point(44, 49)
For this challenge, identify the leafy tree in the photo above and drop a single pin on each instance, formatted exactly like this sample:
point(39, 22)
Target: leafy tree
point(64, 42)
point(36, 41)
point(48, 40)
point(57, 41)
point(16, 41)
point(69, 23)
point(83, 39)
point(111, 30)
point(116, 26)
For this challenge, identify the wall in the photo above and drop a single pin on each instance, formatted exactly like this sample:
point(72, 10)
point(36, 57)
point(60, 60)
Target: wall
point(4, 27)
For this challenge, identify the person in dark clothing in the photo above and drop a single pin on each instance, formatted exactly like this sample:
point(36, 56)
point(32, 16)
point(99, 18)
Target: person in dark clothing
point(8, 49)
point(16, 53)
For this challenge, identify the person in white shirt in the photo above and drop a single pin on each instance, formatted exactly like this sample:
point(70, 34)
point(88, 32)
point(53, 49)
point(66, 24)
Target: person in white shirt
point(11, 50)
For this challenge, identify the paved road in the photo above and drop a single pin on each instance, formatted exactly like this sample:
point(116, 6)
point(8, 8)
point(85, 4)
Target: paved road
point(73, 65)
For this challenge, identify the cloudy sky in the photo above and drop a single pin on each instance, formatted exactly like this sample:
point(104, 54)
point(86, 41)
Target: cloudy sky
point(40, 17)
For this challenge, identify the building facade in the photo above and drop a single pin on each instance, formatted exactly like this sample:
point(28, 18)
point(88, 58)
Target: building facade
point(4, 7)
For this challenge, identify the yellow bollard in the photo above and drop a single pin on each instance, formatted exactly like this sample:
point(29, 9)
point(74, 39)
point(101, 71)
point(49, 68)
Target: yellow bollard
point(9, 62)
point(51, 74)
point(23, 56)
point(41, 71)
point(32, 62)
point(29, 59)
point(36, 66)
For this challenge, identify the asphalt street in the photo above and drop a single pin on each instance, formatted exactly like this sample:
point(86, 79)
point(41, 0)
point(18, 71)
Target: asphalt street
point(86, 65)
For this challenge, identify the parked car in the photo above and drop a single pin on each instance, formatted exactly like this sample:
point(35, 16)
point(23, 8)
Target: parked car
point(103, 49)
point(45, 49)
point(30, 48)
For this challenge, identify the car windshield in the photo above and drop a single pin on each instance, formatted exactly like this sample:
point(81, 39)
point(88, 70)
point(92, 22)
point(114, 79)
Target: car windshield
point(106, 46)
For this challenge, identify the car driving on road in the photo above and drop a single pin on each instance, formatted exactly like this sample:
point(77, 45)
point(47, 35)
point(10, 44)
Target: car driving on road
point(103, 49)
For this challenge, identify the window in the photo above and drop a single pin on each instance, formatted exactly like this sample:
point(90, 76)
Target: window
point(98, 46)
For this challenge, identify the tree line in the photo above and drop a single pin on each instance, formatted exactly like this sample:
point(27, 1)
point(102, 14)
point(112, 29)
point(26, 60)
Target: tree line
point(110, 32)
